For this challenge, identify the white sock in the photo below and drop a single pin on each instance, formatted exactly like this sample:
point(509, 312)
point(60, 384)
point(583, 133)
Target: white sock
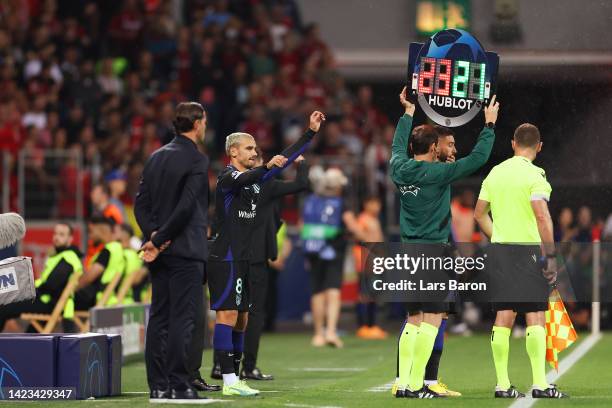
point(431, 382)
point(230, 379)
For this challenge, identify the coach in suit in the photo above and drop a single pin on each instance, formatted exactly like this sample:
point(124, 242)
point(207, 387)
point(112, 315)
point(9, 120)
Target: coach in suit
point(171, 209)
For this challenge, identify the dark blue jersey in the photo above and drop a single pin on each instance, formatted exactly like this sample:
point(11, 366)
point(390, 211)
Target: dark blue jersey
point(236, 205)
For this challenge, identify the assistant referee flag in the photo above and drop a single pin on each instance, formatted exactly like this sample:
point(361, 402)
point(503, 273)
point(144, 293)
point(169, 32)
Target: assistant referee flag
point(560, 332)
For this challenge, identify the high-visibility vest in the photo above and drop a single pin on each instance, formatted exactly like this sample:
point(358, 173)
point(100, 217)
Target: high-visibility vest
point(281, 236)
point(133, 263)
point(77, 267)
point(116, 265)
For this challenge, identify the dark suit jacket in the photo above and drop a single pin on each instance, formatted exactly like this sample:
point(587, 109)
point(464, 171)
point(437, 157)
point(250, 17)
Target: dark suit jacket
point(266, 225)
point(172, 199)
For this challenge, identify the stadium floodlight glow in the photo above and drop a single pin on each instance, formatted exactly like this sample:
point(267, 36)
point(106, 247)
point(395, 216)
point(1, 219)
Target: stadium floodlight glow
point(452, 76)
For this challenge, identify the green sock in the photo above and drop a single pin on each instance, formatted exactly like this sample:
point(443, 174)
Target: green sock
point(535, 343)
point(406, 353)
point(422, 351)
point(500, 344)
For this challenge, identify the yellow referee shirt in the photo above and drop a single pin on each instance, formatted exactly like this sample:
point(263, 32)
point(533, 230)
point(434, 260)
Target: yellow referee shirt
point(509, 188)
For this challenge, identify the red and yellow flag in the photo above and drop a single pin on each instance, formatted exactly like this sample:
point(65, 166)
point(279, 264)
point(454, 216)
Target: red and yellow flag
point(560, 332)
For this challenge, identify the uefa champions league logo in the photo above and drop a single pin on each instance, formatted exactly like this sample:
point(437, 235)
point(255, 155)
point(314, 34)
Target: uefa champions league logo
point(94, 372)
point(7, 371)
point(452, 75)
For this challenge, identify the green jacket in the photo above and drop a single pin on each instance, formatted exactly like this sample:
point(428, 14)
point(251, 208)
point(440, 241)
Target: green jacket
point(425, 186)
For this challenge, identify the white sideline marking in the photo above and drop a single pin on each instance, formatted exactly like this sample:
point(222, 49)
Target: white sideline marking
point(564, 366)
point(310, 406)
point(382, 388)
point(135, 392)
point(106, 400)
point(188, 402)
point(328, 369)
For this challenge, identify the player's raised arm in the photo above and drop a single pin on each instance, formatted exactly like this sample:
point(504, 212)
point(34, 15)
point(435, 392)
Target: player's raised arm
point(292, 152)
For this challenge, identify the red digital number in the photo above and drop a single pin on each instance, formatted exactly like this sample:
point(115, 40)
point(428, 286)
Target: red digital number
point(443, 77)
point(427, 75)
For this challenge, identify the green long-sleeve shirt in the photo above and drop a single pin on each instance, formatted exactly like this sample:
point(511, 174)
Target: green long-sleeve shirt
point(425, 186)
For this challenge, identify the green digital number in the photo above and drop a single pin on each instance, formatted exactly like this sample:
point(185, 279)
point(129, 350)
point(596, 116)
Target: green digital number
point(460, 79)
point(477, 80)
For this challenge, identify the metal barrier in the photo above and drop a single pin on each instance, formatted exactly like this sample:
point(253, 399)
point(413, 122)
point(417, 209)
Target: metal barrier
point(51, 184)
point(5, 171)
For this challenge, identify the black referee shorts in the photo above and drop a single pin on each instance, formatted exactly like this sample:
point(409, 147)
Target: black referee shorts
point(430, 307)
point(516, 279)
point(229, 285)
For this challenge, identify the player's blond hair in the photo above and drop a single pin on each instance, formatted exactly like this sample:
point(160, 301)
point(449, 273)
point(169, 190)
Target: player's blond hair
point(233, 139)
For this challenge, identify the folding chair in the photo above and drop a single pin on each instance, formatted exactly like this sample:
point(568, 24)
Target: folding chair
point(37, 319)
point(81, 317)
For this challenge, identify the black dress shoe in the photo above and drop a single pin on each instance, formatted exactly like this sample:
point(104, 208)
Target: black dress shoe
point(201, 385)
point(188, 394)
point(256, 374)
point(158, 395)
point(216, 374)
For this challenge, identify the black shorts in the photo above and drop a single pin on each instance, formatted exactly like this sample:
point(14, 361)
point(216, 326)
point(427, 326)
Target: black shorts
point(430, 307)
point(325, 274)
point(229, 285)
point(520, 307)
point(515, 278)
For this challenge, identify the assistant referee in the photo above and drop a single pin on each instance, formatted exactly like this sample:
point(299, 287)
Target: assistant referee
point(516, 192)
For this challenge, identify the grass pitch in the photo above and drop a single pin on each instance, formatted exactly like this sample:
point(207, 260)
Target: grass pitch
point(359, 374)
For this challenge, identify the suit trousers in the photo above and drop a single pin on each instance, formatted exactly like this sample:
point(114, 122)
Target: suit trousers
point(258, 286)
point(176, 310)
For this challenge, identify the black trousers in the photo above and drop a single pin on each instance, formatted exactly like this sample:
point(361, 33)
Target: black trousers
point(258, 286)
point(271, 300)
point(176, 306)
point(85, 298)
point(14, 310)
point(196, 351)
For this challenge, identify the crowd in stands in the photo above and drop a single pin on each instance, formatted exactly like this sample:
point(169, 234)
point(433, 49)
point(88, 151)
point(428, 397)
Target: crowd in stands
point(98, 80)
point(88, 90)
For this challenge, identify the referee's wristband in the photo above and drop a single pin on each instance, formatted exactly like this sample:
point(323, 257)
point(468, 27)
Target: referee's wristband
point(490, 125)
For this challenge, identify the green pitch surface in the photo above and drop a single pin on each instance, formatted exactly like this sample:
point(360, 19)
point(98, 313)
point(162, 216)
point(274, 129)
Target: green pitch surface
point(360, 374)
